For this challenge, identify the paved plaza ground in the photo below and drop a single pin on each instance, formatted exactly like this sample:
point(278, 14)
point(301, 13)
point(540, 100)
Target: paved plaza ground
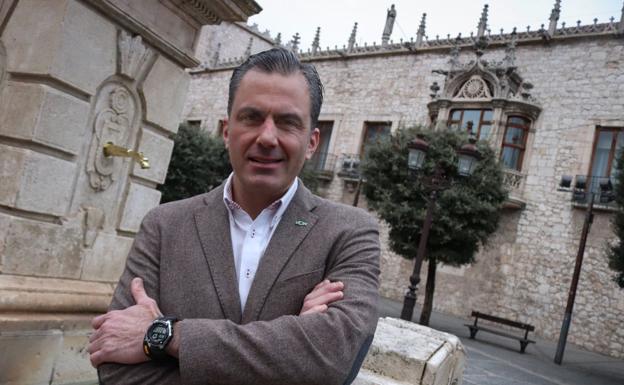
point(495, 360)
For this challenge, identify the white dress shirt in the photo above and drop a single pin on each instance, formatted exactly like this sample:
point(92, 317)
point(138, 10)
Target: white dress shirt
point(251, 237)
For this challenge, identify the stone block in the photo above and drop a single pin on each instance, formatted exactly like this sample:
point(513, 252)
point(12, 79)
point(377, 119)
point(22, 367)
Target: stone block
point(165, 92)
point(158, 149)
point(32, 35)
point(72, 364)
point(38, 113)
point(42, 249)
point(5, 221)
point(46, 184)
point(408, 353)
point(88, 51)
point(140, 200)
point(27, 358)
point(11, 169)
point(106, 260)
point(61, 38)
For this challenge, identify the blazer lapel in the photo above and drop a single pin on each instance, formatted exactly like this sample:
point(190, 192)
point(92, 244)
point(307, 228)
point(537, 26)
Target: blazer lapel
point(294, 226)
point(213, 228)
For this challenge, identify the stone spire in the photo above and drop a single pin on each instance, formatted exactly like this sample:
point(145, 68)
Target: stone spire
point(294, 43)
point(482, 27)
point(248, 49)
point(621, 24)
point(390, 17)
point(554, 17)
point(481, 42)
point(278, 40)
point(352, 38)
point(421, 31)
point(317, 40)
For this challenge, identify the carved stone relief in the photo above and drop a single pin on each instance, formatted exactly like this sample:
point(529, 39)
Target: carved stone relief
point(93, 222)
point(116, 111)
point(474, 88)
point(133, 55)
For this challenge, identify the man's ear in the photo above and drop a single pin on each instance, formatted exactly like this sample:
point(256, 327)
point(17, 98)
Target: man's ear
point(315, 137)
point(226, 132)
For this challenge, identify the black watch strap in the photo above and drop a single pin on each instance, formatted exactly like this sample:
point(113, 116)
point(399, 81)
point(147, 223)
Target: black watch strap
point(157, 337)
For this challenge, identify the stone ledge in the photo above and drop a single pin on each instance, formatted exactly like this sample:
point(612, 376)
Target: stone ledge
point(30, 294)
point(407, 353)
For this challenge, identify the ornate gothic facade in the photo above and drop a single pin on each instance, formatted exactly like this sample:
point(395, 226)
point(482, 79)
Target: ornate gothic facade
point(551, 101)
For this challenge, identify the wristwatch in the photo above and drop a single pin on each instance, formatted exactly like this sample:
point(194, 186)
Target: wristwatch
point(158, 336)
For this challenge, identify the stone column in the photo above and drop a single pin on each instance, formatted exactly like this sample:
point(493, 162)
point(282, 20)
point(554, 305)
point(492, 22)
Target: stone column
point(74, 75)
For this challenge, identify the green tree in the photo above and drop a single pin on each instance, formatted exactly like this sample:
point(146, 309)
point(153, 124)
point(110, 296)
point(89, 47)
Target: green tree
point(616, 252)
point(466, 213)
point(199, 162)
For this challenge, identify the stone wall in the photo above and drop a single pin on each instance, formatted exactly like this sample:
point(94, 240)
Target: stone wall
point(75, 75)
point(229, 41)
point(524, 271)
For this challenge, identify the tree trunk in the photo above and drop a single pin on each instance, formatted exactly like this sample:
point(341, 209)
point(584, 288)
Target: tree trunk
point(425, 314)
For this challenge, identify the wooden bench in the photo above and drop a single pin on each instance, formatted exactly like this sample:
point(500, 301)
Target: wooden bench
point(524, 341)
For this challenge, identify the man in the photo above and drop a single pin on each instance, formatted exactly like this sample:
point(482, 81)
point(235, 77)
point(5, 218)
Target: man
point(268, 284)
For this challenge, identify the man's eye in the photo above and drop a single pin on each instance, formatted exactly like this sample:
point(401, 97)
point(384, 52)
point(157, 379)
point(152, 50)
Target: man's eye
point(249, 118)
point(294, 123)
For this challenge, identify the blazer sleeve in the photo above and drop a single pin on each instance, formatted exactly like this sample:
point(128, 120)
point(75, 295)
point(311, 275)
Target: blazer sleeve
point(311, 349)
point(143, 261)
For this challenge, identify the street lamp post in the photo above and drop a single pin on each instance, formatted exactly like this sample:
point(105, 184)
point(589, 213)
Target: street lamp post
point(606, 195)
point(468, 157)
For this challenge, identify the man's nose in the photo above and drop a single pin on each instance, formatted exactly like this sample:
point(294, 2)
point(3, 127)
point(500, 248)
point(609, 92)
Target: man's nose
point(268, 133)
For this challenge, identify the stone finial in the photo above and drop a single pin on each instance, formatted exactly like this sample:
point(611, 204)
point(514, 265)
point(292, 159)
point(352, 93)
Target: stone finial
point(510, 51)
point(278, 40)
point(294, 43)
point(352, 37)
point(421, 30)
point(454, 60)
point(482, 26)
point(215, 56)
point(317, 40)
point(390, 17)
point(554, 17)
point(248, 49)
point(621, 24)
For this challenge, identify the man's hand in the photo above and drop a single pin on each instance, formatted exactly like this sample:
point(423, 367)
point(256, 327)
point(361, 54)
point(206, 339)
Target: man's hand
point(118, 335)
point(322, 295)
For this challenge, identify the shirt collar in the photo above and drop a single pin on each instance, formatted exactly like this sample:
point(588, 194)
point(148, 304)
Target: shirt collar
point(280, 204)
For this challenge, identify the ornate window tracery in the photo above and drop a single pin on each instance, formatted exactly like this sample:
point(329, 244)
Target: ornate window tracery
point(497, 100)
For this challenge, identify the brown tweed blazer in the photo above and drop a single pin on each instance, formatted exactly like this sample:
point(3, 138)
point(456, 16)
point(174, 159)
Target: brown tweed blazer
point(184, 254)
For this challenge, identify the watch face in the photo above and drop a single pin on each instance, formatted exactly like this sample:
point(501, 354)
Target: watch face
point(158, 334)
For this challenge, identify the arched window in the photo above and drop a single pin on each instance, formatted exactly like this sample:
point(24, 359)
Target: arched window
point(514, 142)
point(481, 121)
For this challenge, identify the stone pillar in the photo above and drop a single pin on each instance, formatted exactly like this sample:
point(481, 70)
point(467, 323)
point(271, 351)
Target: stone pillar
point(74, 75)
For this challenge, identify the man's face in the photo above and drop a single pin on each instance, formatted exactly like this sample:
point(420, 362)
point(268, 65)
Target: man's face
point(268, 133)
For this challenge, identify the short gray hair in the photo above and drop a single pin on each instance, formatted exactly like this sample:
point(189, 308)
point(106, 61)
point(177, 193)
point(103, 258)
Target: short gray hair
point(284, 62)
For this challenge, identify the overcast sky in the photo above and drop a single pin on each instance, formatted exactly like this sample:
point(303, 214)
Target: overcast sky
point(336, 17)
